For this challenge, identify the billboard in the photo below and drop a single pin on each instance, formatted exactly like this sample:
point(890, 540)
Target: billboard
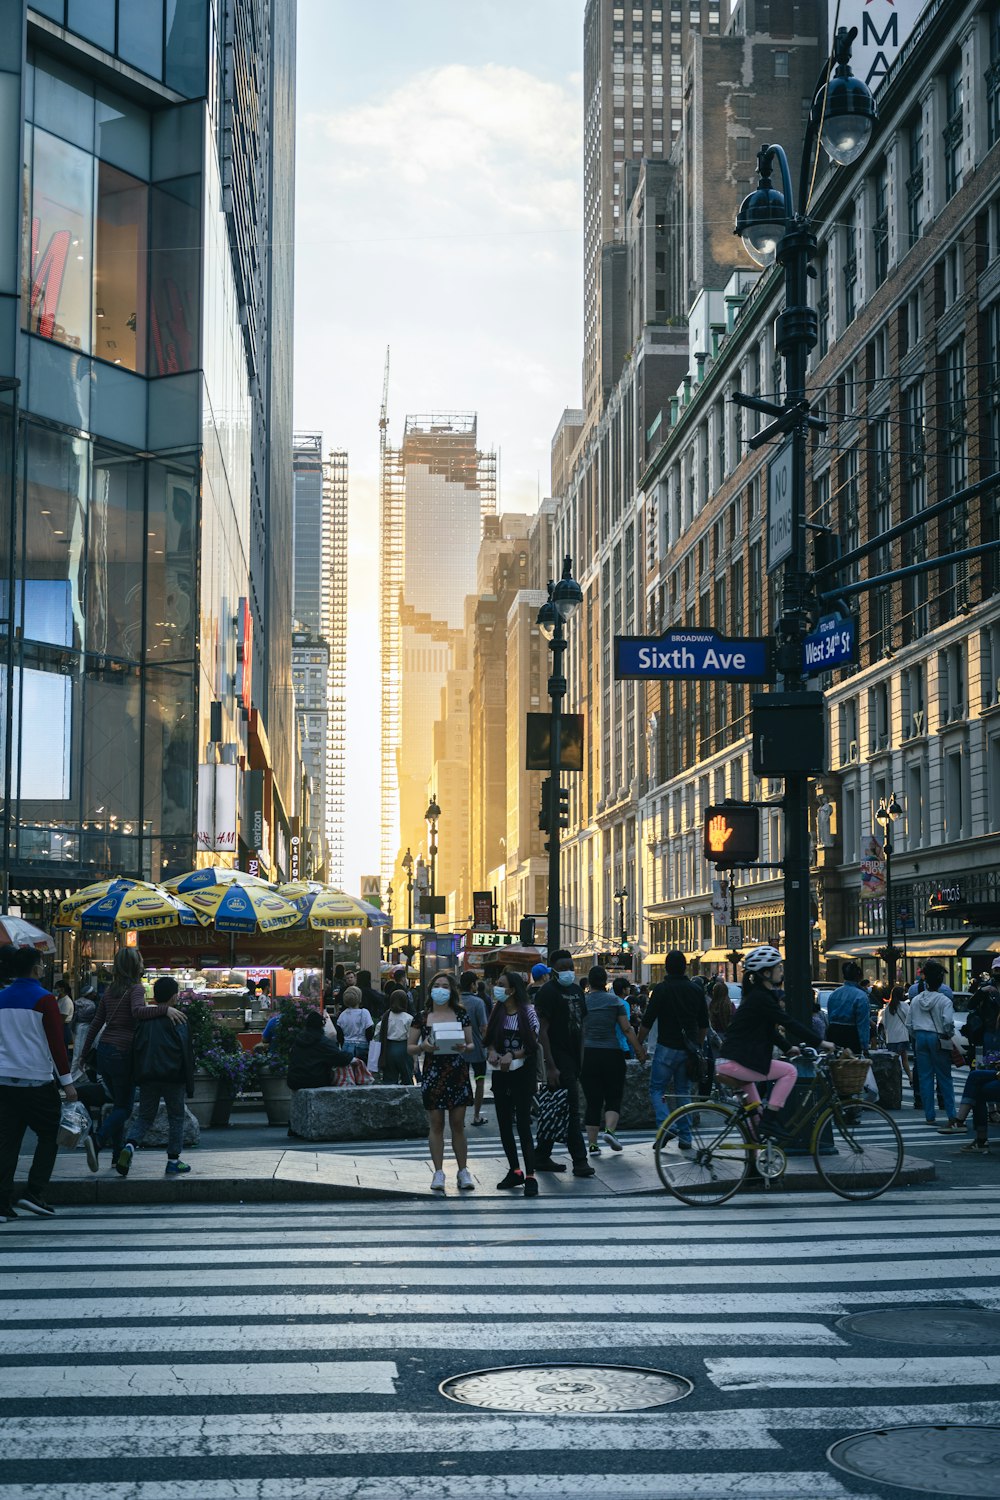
point(883, 27)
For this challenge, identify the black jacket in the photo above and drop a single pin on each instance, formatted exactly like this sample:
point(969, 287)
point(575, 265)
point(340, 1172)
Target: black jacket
point(753, 1034)
point(311, 1060)
point(162, 1053)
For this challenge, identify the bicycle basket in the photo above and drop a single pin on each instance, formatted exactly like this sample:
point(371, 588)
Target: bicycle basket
point(849, 1076)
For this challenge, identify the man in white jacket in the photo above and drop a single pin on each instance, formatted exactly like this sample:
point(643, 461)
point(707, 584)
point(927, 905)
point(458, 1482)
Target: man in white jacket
point(932, 1021)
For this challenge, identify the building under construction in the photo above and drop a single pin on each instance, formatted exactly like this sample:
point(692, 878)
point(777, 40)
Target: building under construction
point(436, 489)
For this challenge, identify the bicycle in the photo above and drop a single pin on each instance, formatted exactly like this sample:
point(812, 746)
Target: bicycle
point(724, 1142)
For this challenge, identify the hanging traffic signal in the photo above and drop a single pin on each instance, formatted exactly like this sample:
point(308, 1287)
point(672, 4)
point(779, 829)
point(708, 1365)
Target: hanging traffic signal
point(732, 834)
point(543, 814)
point(564, 807)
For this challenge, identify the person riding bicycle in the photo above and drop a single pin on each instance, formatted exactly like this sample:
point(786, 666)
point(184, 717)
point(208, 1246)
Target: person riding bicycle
point(745, 1058)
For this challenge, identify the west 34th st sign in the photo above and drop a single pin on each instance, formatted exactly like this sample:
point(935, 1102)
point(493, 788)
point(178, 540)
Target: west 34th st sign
point(694, 653)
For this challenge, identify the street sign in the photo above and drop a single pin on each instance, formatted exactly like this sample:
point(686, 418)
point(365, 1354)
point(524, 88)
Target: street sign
point(779, 507)
point(904, 917)
point(833, 642)
point(734, 935)
point(694, 654)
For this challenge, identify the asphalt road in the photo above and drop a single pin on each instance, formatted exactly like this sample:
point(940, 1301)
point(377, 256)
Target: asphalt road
point(295, 1352)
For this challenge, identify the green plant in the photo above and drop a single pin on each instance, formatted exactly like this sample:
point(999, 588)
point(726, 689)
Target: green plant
point(291, 1017)
point(234, 1067)
point(201, 1022)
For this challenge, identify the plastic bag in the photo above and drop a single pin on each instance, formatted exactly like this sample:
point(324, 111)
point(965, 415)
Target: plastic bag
point(74, 1124)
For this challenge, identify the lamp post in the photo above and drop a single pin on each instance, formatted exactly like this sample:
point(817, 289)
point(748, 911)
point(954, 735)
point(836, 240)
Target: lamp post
point(431, 818)
point(388, 908)
point(407, 864)
point(621, 896)
point(773, 228)
point(887, 814)
point(564, 598)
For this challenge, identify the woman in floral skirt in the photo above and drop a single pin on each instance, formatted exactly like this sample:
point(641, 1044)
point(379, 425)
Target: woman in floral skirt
point(445, 1084)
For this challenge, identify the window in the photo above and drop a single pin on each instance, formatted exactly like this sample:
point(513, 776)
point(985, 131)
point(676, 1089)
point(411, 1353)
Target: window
point(954, 445)
point(950, 268)
point(910, 324)
point(850, 252)
point(915, 179)
point(991, 504)
point(59, 241)
point(913, 702)
point(955, 799)
point(989, 664)
point(781, 65)
point(880, 223)
point(851, 824)
point(879, 718)
point(847, 719)
point(953, 132)
point(823, 301)
point(951, 683)
point(993, 78)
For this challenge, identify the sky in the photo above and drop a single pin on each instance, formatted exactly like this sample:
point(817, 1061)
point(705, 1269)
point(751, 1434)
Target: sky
point(438, 213)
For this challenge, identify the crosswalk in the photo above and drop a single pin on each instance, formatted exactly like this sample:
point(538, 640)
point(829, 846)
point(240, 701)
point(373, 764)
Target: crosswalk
point(295, 1352)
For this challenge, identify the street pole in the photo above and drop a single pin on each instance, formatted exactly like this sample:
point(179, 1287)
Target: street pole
point(564, 598)
point(621, 896)
point(431, 816)
point(774, 228)
point(885, 817)
point(407, 863)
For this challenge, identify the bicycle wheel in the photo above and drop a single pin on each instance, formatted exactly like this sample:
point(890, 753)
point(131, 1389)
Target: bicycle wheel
point(869, 1150)
point(718, 1161)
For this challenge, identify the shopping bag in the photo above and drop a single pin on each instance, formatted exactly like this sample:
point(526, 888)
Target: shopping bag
point(374, 1055)
point(552, 1111)
point(74, 1124)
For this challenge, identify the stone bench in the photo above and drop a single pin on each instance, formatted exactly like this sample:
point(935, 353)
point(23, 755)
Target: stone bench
point(365, 1112)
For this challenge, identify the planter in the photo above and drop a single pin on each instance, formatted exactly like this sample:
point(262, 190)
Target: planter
point(277, 1097)
point(202, 1105)
point(223, 1104)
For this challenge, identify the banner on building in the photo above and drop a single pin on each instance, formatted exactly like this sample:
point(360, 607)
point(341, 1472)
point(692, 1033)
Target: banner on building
point(883, 26)
point(872, 869)
point(371, 890)
point(217, 809)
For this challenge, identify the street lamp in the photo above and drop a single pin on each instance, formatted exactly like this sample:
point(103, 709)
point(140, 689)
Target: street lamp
point(772, 228)
point(564, 598)
point(886, 815)
point(621, 896)
point(407, 864)
point(431, 818)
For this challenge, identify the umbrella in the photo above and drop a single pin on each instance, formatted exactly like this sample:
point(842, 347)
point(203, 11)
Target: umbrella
point(324, 907)
point(134, 909)
point(243, 908)
point(91, 893)
point(214, 875)
point(23, 935)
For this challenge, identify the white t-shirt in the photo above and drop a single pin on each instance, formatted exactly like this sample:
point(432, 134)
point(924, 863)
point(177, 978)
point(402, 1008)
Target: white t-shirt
point(354, 1021)
point(398, 1026)
point(895, 1026)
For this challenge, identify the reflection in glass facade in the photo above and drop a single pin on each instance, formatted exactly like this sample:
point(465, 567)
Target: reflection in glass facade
point(128, 483)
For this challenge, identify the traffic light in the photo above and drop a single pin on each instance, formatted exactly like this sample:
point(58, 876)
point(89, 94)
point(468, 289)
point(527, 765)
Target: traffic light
point(526, 934)
point(732, 834)
point(543, 814)
point(564, 807)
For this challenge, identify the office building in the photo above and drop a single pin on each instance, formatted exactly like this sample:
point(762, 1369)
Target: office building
point(145, 310)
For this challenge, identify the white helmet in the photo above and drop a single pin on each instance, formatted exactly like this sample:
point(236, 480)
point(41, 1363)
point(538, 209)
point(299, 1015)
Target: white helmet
point(762, 958)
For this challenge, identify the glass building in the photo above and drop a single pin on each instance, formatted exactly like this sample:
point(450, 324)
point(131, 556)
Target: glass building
point(146, 193)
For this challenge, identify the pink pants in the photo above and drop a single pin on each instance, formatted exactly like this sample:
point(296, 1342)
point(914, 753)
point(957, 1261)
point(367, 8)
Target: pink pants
point(782, 1074)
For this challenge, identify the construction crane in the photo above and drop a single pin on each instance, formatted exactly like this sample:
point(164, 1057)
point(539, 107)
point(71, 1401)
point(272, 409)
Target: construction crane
point(383, 420)
point(391, 548)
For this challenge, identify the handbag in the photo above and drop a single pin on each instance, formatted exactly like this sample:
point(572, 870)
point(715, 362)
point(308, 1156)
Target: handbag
point(374, 1055)
point(551, 1107)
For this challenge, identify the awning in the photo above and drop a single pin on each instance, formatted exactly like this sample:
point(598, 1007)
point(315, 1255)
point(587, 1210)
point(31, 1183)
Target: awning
point(983, 942)
point(945, 945)
point(716, 956)
point(853, 949)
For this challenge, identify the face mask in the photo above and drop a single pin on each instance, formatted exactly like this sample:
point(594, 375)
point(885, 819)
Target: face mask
point(499, 993)
point(440, 995)
point(566, 978)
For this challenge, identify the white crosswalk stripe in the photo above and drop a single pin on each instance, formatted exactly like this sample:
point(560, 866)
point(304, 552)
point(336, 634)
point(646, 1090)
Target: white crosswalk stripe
point(294, 1352)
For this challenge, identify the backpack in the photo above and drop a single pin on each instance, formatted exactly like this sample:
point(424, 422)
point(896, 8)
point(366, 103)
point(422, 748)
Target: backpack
point(159, 1052)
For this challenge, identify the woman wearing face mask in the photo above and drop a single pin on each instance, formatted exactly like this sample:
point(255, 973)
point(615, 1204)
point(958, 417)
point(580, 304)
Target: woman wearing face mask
point(511, 1048)
point(445, 1079)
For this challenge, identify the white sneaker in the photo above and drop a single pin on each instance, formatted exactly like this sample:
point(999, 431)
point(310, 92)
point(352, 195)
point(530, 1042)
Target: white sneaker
point(610, 1139)
point(465, 1180)
point(437, 1182)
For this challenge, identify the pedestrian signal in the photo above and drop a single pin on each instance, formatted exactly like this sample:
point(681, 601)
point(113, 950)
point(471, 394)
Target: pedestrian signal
point(732, 834)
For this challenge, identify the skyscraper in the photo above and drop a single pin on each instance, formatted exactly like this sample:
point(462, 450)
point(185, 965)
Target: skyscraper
point(436, 489)
point(632, 100)
point(319, 624)
point(145, 310)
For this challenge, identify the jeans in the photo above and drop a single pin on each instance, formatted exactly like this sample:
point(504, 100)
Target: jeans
point(512, 1095)
point(982, 1088)
point(173, 1095)
point(397, 1064)
point(116, 1069)
point(34, 1108)
point(934, 1064)
point(669, 1076)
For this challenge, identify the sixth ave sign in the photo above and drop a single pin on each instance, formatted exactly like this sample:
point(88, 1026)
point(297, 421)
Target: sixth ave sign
point(693, 653)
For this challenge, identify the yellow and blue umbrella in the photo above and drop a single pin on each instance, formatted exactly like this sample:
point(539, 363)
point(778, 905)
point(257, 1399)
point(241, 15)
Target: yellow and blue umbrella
point(133, 909)
point(213, 875)
point(91, 893)
point(325, 909)
point(243, 908)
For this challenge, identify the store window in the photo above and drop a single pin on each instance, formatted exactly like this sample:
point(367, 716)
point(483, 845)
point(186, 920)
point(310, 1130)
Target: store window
point(58, 261)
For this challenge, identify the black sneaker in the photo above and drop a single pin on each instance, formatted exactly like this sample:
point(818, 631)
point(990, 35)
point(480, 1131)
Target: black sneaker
point(512, 1180)
point(530, 1187)
point(7, 1215)
point(580, 1169)
point(124, 1160)
point(770, 1127)
point(32, 1204)
point(546, 1164)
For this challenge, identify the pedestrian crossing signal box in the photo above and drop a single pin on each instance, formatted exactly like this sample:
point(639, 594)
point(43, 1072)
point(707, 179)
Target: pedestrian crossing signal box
point(789, 734)
point(732, 834)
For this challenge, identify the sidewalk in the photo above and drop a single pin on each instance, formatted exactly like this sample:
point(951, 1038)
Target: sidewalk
point(250, 1163)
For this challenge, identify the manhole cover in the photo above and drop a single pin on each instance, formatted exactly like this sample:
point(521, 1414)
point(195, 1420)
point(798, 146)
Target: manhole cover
point(943, 1323)
point(566, 1388)
point(946, 1460)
